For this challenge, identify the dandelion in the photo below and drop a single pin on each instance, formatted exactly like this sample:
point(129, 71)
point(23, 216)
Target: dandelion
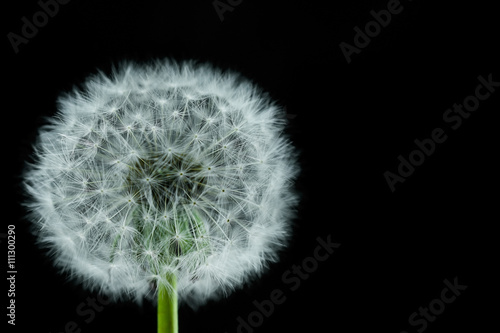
point(167, 181)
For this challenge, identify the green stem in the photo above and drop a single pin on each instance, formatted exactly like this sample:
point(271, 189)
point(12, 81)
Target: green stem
point(167, 307)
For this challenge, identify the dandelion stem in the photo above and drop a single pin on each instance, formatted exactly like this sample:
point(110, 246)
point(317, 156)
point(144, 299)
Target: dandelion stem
point(167, 307)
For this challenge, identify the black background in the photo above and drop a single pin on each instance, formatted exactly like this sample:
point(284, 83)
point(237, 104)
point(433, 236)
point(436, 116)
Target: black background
point(350, 123)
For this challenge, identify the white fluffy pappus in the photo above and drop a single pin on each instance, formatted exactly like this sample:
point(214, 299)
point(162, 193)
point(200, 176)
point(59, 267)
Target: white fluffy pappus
point(163, 168)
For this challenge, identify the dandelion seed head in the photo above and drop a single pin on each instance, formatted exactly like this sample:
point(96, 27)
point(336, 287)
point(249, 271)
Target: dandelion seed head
point(163, 168)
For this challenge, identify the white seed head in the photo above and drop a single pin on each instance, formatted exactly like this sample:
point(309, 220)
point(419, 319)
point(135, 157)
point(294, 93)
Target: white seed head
point(161, 169)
